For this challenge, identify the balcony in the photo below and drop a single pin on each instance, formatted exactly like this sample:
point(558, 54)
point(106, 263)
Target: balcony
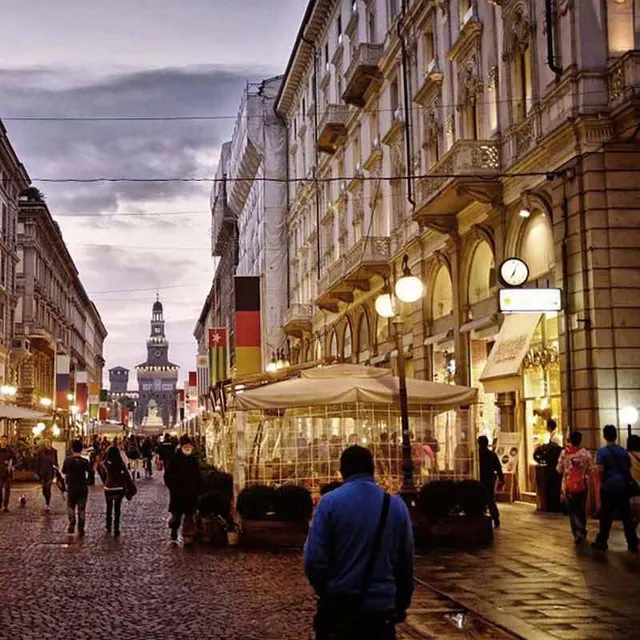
point(368, 257)
point(624, 78)
point(223, 223)
point(362, 73)
point(467, 173)
point(332, 129)
point(297, 319)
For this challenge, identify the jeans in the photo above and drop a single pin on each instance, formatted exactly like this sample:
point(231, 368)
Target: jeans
point(114, 505)
point(5, 490)
point(577, 507)
point(188, 525)
point(45, 483)
point(372, 626)
point(610, 502)
point(77, 500)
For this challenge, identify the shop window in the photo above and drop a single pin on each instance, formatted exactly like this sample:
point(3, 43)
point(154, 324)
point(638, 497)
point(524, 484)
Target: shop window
point(363, 338)
point(536, 247)
point(442, 300)
point(620, 25)
point(482, 273)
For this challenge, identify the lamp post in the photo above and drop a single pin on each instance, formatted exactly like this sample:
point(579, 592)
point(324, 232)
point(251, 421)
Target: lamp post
point(629, 416)
point(408, 289)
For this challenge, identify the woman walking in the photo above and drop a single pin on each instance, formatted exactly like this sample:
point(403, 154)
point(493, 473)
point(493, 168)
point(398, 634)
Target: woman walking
point(46, 465)
point(133, 453)
point(117, 477)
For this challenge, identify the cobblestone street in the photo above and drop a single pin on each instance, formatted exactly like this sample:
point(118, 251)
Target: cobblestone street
point(532, 582)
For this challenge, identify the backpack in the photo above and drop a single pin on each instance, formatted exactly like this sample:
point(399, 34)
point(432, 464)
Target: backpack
point(575, 477)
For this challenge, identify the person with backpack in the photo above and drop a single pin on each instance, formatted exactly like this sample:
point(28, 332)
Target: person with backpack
point(575, 466)
point(116, 479)
point(615, 490)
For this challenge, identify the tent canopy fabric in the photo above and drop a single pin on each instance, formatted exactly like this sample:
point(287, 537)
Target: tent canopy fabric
point(350, 384)
point(20, 413)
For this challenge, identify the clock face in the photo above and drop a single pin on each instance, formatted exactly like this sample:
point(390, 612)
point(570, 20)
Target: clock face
point(156, 354)
point(514, 272)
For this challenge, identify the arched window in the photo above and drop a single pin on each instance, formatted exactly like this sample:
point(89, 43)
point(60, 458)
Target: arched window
point(536, 245)
point(363, 339)
point(347, 348)
point(442, 300)
point(333, 345)
point(318, 349)
point(481, 273)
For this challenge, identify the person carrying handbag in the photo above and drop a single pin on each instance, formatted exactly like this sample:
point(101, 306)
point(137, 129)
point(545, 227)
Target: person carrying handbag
point(359, 556)
point(116, 481)
point(616, 489)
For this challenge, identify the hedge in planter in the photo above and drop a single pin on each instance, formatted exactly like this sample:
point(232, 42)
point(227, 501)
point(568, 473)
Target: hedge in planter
point(214, 512)
point(453, 513)
point(274, 518)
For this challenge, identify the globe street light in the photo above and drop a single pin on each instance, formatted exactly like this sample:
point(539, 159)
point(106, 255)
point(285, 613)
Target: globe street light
point(629, 416)
point(408, 289)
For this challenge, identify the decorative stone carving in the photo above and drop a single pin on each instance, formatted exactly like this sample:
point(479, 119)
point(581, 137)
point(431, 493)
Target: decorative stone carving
point(443, 5)
point(517, 33)
point(469, 86)
point(492, 78)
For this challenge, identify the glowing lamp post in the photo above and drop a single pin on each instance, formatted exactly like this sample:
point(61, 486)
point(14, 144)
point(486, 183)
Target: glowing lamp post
point(408, 289)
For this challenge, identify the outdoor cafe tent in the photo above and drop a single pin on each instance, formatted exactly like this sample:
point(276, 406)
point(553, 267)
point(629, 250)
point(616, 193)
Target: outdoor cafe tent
point(341, 403)
point(343, 384)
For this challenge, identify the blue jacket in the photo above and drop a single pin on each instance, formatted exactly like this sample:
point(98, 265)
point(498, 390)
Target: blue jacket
point(339, 543)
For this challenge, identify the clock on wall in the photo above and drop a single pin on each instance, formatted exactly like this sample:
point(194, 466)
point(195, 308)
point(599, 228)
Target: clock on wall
point(513, 272)
point(157, 354)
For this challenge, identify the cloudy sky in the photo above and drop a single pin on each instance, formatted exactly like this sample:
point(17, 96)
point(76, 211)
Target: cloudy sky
point(118, 58)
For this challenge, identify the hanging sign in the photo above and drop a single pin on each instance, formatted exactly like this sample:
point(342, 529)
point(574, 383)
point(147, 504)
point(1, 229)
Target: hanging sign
point(530, 300)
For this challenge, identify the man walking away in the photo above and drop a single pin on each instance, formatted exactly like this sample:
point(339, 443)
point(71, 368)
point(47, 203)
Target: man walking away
point(182, 476)
point(116, 479)
point(46, 465)
point(490, 467)
point(77, 471)
point(615, 473)
point(359, 556)
point(575, 465)
point(147, 457)
point(7, 461)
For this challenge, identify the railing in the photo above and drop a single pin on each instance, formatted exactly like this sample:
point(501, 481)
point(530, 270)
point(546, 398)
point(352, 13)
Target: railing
point(297, 312)
point(367, 55)
point(624, 77)
point(334, 114)
point(465, 158)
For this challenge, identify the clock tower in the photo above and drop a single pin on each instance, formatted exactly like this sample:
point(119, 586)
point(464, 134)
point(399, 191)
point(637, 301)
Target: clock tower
point(157, 377)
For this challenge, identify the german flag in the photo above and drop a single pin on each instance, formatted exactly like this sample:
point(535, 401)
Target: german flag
point(248, 341)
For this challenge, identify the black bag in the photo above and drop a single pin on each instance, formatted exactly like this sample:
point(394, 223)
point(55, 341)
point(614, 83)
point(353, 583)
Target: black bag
point(633, 489)
point(341, 612)
point(130, 488)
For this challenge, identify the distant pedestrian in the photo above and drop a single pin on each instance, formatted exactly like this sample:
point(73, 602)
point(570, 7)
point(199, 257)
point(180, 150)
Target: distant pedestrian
point(614, 466)
point(182, 477)
point(147, 457)
point(359, 556)
point(46, 465)
point(490, 468)
point(166, 449)
point(133, 453)
point(116, 480)
point(77, 471)
point(575, 465)
point(7, 462)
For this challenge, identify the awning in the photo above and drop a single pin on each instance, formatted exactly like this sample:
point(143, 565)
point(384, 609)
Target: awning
point(9, 412)
point(438, 338)
point(501, 373)
point(479, 323)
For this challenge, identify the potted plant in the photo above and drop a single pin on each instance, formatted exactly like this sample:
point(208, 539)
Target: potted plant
point(453, 513)
point(274, 518)
point(214, 512)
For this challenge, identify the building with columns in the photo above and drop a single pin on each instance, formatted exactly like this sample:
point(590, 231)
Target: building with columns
point(460, 133)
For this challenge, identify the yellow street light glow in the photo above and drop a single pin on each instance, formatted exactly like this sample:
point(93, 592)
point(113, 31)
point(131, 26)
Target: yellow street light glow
point(629, 415)
point(46, 402)
point(409, 288)
point(384, 306)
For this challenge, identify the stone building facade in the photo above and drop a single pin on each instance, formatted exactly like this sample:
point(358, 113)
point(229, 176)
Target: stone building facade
point(157, 376)
point(53, 313)
point(460, 133)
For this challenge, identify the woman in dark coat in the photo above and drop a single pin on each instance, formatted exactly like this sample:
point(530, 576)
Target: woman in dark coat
point(46, 464)
point(114, 486)
point(182, 476)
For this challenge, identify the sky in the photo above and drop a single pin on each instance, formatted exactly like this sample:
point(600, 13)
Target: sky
point(148, 58)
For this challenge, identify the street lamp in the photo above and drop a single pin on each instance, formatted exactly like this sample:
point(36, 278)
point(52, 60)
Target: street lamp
point(408, 289)
point(629, 416)
point(46, 402)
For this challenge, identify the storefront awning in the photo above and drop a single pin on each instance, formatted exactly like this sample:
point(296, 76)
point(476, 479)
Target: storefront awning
point(501, 373)
point(438, 338)
point(9, 412)
point(479, 323)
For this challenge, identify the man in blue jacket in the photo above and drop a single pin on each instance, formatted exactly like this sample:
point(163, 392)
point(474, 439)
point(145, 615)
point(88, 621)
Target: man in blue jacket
point(364, 588)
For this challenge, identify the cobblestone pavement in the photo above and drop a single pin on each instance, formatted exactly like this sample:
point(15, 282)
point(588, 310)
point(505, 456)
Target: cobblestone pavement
point(536, 583)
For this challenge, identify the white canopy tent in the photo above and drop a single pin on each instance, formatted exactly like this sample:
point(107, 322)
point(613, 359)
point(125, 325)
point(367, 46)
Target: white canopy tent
point(350, 384)
point(294, 430)
point(9, 412)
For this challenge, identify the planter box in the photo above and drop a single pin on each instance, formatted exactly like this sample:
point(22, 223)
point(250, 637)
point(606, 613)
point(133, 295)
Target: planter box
point(272, 534)
point(455, 531)
point(24, 476)
point(210, 531)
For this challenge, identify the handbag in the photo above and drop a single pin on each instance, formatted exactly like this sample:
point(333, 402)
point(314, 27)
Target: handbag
point(130, 488)
point(102, 472)
point(633, 489)
point(341, 611)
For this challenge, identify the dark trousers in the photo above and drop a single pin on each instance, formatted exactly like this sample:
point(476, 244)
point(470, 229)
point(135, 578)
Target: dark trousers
point(577, 508)
point(5, 490)
point(114, 506)
point(186, 519)
point(45, 483)
point(491, 503)
point(77, 501)
point(371, 626)
point(610, 502)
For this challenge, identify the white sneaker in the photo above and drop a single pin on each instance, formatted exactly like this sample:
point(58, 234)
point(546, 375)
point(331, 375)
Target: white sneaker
point(47, 507)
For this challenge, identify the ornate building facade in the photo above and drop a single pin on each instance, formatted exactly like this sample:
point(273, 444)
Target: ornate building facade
point(459, 133)
point(53, 315)
point(157, 376)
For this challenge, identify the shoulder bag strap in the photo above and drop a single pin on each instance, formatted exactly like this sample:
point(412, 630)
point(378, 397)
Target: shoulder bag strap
point(626, 475)
point(375, 548)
